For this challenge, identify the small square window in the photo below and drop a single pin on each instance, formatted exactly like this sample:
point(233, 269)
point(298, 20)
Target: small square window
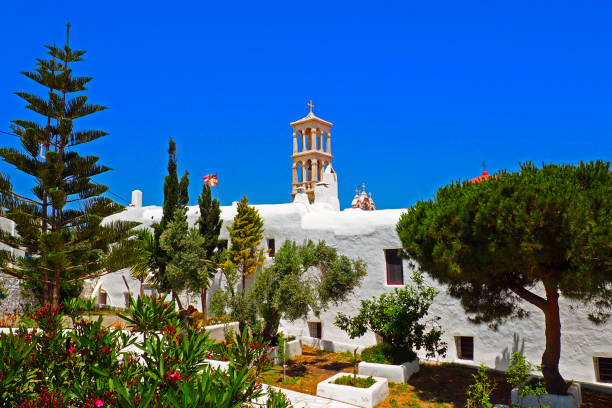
point(395, 269)
point(314, 329)
point(271, 247)
point(603, 368)
point(465, 347)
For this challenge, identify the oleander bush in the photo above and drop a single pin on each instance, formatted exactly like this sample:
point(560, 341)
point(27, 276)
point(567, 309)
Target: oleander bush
point(92, 365)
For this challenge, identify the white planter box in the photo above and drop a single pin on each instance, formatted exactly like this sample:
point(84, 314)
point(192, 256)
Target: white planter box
point(293, 348)
point(361, 397)
point(217, 331)
point(394, 373)
point(572, 400)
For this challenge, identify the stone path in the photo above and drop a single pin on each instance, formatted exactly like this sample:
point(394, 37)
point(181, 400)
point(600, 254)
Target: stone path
point(300, 400)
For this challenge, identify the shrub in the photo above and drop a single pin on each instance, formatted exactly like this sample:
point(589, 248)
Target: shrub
point(479, 393)
point(387, 354)
point(399, 319)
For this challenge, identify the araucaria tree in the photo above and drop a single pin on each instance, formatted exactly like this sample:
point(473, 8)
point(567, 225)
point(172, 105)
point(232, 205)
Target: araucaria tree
point(533, 235)
point(59, 226)
point(303, 278)
point(209, 226)
point(246, 233)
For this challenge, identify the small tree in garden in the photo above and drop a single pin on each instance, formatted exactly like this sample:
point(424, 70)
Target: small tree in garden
point(532, 236)
point(175, 197)
point(246, 233)
point(479, 393)
point(186, 264)
point(59, 225)
point(399, 318)
point(302, 278)
point(209, 227)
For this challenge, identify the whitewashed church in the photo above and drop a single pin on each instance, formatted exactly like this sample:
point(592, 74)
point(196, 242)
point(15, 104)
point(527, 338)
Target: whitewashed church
point(366, 233)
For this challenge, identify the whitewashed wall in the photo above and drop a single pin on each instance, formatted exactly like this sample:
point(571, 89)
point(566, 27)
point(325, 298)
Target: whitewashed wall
point(365, 235)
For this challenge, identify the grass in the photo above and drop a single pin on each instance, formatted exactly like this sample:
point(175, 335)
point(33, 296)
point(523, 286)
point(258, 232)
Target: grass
point(358, 382)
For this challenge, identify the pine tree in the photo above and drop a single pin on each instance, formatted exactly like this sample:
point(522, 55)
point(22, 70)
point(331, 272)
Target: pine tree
point(175, 197)
point(529, 236)
point(246, 234)
point(209, 226)
point(60, 235)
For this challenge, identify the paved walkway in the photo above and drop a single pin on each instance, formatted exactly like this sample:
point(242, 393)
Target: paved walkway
point(300, 400)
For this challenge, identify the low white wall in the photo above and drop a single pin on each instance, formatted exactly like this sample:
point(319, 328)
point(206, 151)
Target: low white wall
point(398, 373)
point(217, 332)
point(361, 397)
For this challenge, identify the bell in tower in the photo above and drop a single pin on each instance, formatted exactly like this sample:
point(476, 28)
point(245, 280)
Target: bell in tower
point(311, 152)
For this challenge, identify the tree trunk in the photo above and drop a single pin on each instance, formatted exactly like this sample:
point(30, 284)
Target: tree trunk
point(555, 384)
point(141, 288)
point(56, 290)
point(271, 325)
point(177, 300)
point(204, 309)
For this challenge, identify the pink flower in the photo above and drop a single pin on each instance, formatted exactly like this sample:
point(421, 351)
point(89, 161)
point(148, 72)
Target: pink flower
point(71, 350)
point(99, 403)
point(175, 376)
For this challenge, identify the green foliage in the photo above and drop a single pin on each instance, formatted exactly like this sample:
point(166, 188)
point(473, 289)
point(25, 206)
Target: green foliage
point(187, 266)
point(209, 224)
point(479, 393)
point(493, 241)
point(358, 382)
point(385, 353)
point(75, 307)
point(59, 226)
point(519, 376)
point(246, 233)
point(302, 278)
point(147, 314)
point(90, 366)
point(176, 197)
point(398, 318)
point(218, 302)
point(146, 258)
point(252, 352)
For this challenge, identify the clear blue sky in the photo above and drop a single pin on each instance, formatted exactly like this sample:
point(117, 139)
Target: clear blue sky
point(420, 93)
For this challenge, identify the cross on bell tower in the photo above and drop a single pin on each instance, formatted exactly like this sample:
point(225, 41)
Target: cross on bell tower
point(311, 151)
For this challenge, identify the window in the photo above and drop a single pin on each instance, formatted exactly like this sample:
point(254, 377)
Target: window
point(271, 247)
point(314, 329)
point(102, 297)
point(603, 369)
point(395, 269)
point(465, 347)
point(222, 244)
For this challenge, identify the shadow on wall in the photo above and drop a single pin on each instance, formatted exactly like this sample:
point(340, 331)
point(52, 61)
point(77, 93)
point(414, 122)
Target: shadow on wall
point(502, 362)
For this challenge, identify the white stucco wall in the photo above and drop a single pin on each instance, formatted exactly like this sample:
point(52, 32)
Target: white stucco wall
point(365, 235)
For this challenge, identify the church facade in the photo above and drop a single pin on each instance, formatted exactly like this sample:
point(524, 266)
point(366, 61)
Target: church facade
point(364, 232)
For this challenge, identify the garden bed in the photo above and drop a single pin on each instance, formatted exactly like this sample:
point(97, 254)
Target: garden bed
point(434, 386)
point(370, 391)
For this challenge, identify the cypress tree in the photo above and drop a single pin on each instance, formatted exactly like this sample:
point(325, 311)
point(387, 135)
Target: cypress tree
point(175, 197)
point(60, 235)
point(209, 227)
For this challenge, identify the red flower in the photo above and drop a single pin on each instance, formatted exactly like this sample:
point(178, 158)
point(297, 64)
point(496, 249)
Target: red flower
point(99, 403)
point(175, 376)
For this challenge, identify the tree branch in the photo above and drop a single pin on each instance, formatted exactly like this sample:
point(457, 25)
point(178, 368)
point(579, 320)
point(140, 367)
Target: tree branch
point(530, 297)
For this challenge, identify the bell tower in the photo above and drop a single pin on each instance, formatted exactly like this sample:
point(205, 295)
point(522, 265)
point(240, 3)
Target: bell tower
point(311, 152)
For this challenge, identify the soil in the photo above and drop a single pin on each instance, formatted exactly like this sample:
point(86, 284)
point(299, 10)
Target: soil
point(434, 386)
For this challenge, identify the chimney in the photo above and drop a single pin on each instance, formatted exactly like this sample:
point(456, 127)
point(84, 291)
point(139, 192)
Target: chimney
point(136, 199)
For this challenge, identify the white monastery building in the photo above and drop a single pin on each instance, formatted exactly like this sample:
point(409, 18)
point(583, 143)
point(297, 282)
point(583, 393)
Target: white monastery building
point(366, 233)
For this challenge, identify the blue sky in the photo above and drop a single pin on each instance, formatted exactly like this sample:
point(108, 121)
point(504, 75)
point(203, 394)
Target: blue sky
point(420, 93)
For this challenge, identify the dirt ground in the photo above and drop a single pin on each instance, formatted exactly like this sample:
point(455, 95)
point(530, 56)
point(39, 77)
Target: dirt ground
point(434, 386)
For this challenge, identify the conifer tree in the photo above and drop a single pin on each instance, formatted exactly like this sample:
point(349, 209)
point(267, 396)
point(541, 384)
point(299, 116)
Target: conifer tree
point(175, 197)
point(209, 227)
point(246, 233)
point(60, 235)
point(529, 236)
